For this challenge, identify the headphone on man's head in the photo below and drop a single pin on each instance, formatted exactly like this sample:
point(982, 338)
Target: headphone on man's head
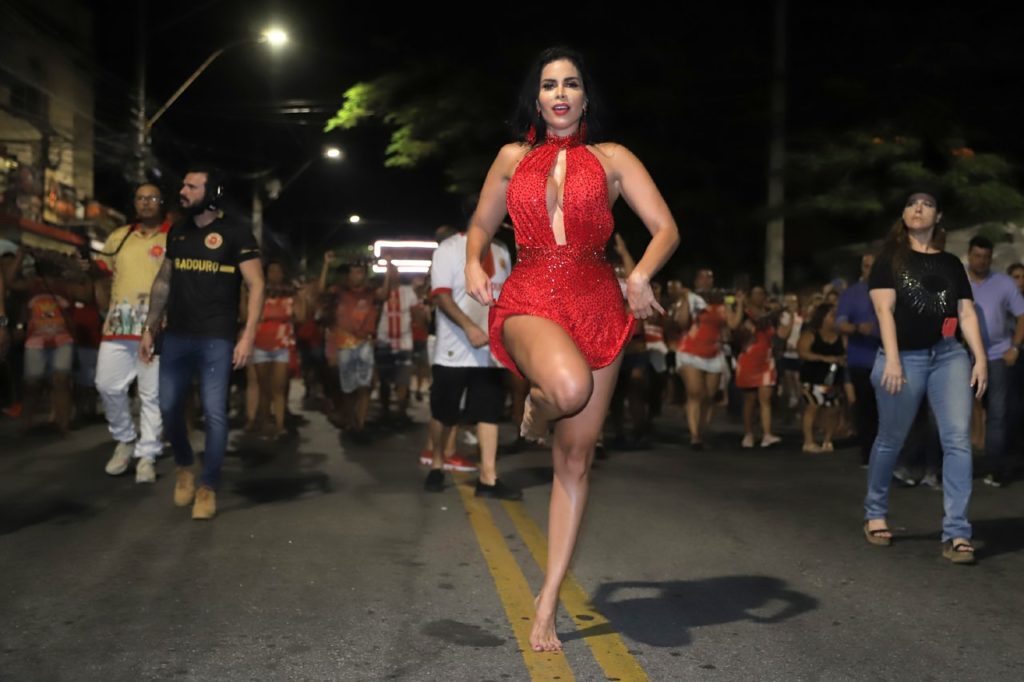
point(214, 188)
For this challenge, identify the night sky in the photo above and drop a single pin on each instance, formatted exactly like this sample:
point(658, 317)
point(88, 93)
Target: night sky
point(689, 94)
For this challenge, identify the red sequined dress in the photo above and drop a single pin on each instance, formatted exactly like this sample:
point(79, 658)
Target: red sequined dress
point(571, 284)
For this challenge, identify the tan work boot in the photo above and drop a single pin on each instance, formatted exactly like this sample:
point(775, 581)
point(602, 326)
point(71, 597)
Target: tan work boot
point(206, 504)
point(184, 486)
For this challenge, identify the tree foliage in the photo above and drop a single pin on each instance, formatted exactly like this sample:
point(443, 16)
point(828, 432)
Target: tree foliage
point(859, 176)
point(434, 113)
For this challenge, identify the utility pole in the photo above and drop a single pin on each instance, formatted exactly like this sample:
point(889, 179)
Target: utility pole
point(775, 234)
point(141, 150)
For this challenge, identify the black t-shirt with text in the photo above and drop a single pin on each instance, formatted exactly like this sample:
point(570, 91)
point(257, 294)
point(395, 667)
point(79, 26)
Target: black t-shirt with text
point(205, 277)
point(928, 289)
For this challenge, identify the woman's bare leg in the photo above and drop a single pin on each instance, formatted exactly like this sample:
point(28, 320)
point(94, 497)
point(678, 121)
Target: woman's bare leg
point(693, 380)
point(749, 407)
point(565, 388)
point(830, 421)
point(712, 380)
point(252, 397)
point(62, 400)
point(810, 412)
point(278, 394)
point(572, 454)
point(764, 398)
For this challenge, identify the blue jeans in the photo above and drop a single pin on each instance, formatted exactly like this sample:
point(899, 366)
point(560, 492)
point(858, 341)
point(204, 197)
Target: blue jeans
point(182, 358)
point(996, 400)
point(943, 372)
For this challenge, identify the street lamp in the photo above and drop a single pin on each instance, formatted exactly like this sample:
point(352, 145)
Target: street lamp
point(330, 153)
point(275, 37)
point(354, 219)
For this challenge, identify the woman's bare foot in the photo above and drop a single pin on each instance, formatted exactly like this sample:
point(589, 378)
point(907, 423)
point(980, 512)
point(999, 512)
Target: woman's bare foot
point(543, 636)
point(531, 429)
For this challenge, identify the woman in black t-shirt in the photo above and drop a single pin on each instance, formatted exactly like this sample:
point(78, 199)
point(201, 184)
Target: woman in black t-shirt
point(925, 307)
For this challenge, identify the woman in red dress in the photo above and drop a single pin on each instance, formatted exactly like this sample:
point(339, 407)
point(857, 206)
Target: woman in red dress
point(271, 358)
point(561, 320)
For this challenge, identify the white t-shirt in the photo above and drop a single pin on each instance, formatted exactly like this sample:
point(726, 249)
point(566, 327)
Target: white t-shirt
point(447, 274)
point(396, 322)
point(793, 340)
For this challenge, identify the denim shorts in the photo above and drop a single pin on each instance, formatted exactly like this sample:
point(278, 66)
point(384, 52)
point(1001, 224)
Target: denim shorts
point(355, 367)
point(42, 362)
point(259, 356)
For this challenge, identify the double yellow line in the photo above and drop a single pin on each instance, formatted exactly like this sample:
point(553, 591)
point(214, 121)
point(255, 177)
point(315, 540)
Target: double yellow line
point(606, 646)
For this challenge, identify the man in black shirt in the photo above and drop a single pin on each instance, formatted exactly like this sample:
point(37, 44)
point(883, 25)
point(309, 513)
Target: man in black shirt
point(199, 287)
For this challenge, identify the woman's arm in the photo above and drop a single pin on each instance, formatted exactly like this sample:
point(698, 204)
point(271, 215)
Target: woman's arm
point(486, 220)
point(803, 347)
point(734, 313)
point(785, 328)
point(972, 334)
point(681, 310)
point(884, 302)
point(642, 195)
point(321, 283)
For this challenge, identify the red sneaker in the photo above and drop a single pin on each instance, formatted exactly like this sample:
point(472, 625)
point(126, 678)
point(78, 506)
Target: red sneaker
point(458, 463)
point(426, 457)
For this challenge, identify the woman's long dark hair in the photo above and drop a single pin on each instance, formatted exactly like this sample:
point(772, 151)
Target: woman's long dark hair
point(897, 243)
point(526, 116)
point(818, 316)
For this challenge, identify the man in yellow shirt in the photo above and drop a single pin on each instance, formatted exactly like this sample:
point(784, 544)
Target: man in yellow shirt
point(132, 255)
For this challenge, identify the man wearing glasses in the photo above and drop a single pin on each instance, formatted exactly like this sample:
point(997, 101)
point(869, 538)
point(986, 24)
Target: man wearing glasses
point(132, 256)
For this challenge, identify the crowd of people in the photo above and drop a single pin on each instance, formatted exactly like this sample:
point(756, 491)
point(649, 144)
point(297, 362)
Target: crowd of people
point(572, 338)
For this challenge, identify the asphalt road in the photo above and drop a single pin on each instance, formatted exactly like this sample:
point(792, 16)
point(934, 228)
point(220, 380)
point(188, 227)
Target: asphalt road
point(328, 561)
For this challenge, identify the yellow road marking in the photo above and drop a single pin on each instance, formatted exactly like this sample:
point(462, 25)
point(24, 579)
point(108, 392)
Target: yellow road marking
point(608, 648)
point(512, 588)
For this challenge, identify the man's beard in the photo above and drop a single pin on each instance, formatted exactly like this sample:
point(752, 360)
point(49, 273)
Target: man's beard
point(193, 210)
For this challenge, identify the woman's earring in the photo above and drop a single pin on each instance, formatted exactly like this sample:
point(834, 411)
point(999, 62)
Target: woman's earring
point(531, 135)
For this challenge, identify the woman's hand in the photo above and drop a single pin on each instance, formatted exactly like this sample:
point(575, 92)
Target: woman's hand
point(478, 283)
point(892, 377)
point(979, 378)
point(641, 297)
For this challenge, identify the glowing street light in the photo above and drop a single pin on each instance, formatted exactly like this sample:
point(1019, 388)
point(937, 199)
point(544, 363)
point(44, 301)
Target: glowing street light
point(275, 36)
point(332, 153)
point(354, 219)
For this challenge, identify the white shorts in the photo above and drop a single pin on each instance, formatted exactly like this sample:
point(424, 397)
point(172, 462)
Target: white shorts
point(715, 365)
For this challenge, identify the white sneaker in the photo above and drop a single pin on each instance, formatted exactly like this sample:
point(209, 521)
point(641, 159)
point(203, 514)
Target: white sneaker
point(144, 471)
point(118, 463)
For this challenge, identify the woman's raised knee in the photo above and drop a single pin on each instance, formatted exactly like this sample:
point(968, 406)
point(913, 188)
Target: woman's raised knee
point(570, 391)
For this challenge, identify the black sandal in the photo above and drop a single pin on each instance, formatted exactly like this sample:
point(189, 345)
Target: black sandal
point(875, 537)
point(961, 552)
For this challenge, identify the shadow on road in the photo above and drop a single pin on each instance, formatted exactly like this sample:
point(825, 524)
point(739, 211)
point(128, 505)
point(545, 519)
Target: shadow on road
point(60, 510)
point(998, 536)
point(662, 614)
point(528, 477)
point(277, 471)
